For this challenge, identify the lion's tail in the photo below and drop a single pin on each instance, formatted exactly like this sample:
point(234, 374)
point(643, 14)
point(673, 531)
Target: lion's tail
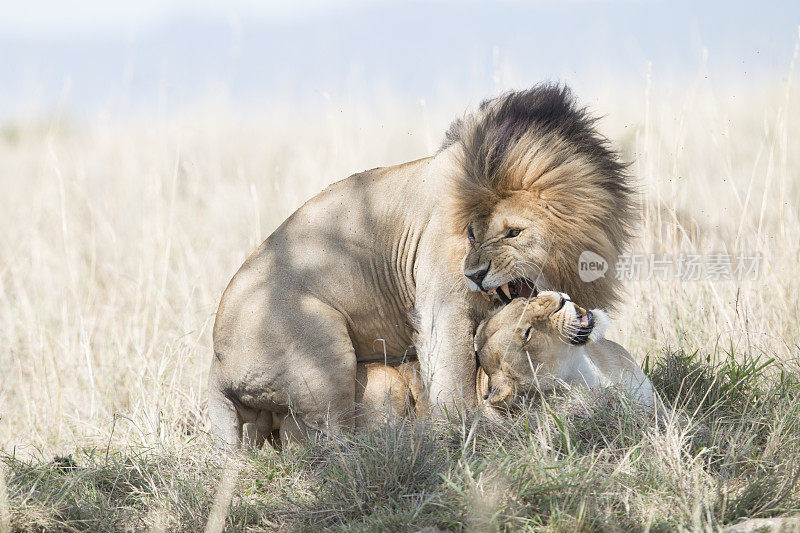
point(224, 421)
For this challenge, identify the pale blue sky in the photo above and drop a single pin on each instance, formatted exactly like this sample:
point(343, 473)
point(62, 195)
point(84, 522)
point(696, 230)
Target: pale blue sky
point(93, 56)
point(38, 18)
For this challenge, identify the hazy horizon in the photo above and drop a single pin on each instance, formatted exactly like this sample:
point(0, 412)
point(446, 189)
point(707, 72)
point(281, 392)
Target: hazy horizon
point(162, 58)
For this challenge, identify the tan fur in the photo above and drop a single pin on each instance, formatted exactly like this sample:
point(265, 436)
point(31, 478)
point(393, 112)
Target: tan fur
point(340, 281)
point(523, 348)
point(526, 348)
point(384, 391)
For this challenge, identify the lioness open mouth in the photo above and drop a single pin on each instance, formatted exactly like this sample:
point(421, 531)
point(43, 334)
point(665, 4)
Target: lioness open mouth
point(581, 335)
point(518, 288)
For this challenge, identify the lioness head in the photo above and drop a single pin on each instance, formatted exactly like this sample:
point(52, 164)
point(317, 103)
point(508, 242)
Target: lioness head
point(536, 186)
point(526, 346)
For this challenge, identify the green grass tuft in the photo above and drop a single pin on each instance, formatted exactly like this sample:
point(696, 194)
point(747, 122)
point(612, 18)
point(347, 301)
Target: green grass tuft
point(563, 463)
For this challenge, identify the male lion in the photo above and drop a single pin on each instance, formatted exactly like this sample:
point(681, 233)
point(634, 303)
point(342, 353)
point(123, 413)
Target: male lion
point(517, 191)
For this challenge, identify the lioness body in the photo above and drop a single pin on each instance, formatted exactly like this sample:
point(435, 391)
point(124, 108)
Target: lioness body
point(538, 345)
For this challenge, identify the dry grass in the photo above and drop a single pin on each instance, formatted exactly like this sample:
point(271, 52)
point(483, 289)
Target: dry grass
point(118, 238)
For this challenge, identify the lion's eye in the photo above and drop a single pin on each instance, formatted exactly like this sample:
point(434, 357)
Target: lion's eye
point(513, 232)
point(470, 234)
point(528, 333)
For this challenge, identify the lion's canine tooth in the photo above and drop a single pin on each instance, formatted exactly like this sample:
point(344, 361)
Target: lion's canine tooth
point(505, 290)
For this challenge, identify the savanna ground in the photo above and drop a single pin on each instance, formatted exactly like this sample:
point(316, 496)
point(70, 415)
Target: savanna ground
point(117, 238)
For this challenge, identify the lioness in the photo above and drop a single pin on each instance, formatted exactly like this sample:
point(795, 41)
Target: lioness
point(545, 342)
point(517, 191)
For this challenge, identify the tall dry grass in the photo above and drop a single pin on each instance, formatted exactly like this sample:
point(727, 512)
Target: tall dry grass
point(118, 237)
point(118, 240)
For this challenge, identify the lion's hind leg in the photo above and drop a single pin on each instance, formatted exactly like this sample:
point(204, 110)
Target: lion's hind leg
point(257, 429)
point(294, 432)
point(232, 424)
point(299, 358)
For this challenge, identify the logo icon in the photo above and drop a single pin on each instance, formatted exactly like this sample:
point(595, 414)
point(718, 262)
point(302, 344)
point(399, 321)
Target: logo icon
point(591, 266)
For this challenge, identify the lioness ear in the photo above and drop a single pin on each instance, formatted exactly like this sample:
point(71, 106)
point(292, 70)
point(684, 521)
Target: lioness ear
point(482, 384)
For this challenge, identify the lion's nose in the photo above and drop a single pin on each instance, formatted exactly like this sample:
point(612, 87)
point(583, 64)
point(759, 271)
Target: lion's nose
point(477, 276)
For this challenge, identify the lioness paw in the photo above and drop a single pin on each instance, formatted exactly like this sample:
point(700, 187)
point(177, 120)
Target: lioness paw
point(544, 305)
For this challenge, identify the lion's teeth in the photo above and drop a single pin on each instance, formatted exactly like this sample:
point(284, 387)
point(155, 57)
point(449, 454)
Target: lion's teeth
point(505, 290)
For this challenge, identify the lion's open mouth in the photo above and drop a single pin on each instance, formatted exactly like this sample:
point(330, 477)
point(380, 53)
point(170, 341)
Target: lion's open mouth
point(518, 288)
point(586, 320)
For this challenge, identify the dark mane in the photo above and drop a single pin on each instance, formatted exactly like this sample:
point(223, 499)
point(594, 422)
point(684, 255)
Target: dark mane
point(544, 111)
point(542, 145)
